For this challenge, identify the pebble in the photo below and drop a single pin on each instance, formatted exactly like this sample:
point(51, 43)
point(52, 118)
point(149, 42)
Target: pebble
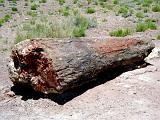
point(10, 94)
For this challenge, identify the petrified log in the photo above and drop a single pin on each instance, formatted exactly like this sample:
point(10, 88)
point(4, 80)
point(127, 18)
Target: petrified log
point(54, 65)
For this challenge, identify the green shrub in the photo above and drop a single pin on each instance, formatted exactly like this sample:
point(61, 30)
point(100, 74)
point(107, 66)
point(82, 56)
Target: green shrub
point(151, 25)
point(140, 15)
point(4, 19)
point(138, 2)
point(32, 13)
point(20, 37)
point(61, 2)
point(79, 32)
point(1, 22)
point(107, 6)
point(141, 27)
point(1, 1)
point(65, 11)
point(158, 37)
point(145, 9)
point(89, 1)
point(39, 28)
point(73, 26)
point(50, 13)
point(146, 3)
point(81, 21)
point(95, 2)
point(42, 1)
point(14, 1)
point(34, 6)
point(14, 9)
point(123, 10)
point(81, 24)
point(156, 8)
point(90, 10)
point(75, 11)
point(115, 1)
point(120, 33)
point(75, 1)
point(92, 22)
point(102, 0)
point(151, 19)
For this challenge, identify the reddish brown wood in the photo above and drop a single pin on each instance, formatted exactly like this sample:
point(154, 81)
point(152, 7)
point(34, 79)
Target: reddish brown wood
point(54, 65)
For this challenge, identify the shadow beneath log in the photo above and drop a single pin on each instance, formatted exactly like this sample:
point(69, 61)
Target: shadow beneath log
point(28, 93)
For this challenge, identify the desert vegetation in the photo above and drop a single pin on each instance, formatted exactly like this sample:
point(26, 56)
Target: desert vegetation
point(73, 26)
point(76, 18)
point(4, 19)
point(120, 32)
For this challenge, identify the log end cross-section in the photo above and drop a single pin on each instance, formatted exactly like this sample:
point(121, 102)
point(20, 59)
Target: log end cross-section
point(34, 66)
point(54, 65)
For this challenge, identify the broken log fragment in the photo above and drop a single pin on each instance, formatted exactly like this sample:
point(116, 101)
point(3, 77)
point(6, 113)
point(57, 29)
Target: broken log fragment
point(54, 65)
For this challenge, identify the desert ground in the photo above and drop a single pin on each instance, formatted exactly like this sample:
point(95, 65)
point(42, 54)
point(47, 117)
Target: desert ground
point(123, 95)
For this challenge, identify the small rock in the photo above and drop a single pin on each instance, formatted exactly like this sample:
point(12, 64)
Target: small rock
point(154, 54)
point(26, 18)
point(10, 94)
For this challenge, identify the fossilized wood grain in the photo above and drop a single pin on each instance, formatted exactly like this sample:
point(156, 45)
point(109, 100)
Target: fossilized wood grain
point(54, 65)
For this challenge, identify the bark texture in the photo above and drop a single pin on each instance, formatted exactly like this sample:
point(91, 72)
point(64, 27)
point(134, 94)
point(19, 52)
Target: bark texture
point(54, 65)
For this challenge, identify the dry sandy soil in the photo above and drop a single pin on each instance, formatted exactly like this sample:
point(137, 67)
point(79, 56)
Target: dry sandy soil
point(121, 95)
point(132, 95)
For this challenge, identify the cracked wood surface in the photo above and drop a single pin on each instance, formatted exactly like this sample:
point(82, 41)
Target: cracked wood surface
point(55, 65)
